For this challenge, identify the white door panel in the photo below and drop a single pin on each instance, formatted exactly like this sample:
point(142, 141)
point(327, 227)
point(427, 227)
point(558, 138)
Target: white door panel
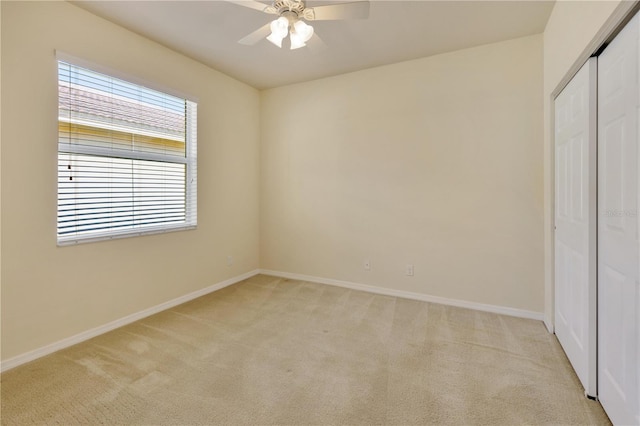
point(618, 245)
point(575, 221)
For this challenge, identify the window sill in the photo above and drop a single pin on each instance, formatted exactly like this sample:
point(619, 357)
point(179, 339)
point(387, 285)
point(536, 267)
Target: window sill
point(75, 240)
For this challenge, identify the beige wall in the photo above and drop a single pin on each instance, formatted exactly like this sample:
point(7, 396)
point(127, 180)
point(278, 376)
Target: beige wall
point(435, 162)
point(570, 29)
point(50, 293)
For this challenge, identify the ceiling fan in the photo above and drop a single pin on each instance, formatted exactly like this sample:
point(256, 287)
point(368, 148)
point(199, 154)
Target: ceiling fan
point(292, 15)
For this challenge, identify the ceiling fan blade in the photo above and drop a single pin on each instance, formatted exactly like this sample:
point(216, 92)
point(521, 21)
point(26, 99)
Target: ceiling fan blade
point(355, 10)
point(253, 4)
point(256, 36)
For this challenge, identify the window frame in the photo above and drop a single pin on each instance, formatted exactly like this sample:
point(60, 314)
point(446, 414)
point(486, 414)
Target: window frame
point(189, 159)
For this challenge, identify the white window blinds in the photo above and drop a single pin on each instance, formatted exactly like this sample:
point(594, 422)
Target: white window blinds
point(126, 158)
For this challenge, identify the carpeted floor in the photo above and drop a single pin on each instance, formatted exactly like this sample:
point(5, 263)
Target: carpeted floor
point(275, 351)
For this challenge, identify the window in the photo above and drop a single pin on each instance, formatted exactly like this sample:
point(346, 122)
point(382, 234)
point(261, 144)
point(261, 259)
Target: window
point(126, 158)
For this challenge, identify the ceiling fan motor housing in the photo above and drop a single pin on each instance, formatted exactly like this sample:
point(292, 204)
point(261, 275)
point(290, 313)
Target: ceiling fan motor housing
point(288, 7)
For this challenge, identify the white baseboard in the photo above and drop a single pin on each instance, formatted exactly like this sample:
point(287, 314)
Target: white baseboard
point(86, 335)
point(411, 295)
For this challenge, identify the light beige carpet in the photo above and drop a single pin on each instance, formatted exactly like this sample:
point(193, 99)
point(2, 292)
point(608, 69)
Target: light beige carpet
point(275, 351)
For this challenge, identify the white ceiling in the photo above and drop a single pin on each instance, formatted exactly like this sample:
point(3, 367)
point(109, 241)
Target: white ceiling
point(395, 31)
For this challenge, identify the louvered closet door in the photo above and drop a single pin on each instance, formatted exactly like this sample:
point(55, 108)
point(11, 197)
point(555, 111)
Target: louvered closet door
point(575, 221)
point(618, 244)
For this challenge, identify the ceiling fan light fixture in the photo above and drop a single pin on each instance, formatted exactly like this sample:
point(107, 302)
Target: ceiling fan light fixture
point(297, 42)
point(279, 30)
point(303, 30)
point(275, 40)
point(300, 34)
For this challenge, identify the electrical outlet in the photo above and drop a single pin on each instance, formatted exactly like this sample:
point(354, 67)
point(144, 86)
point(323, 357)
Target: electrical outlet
point(409, 270)
point(229, 260)
point(367, 265)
